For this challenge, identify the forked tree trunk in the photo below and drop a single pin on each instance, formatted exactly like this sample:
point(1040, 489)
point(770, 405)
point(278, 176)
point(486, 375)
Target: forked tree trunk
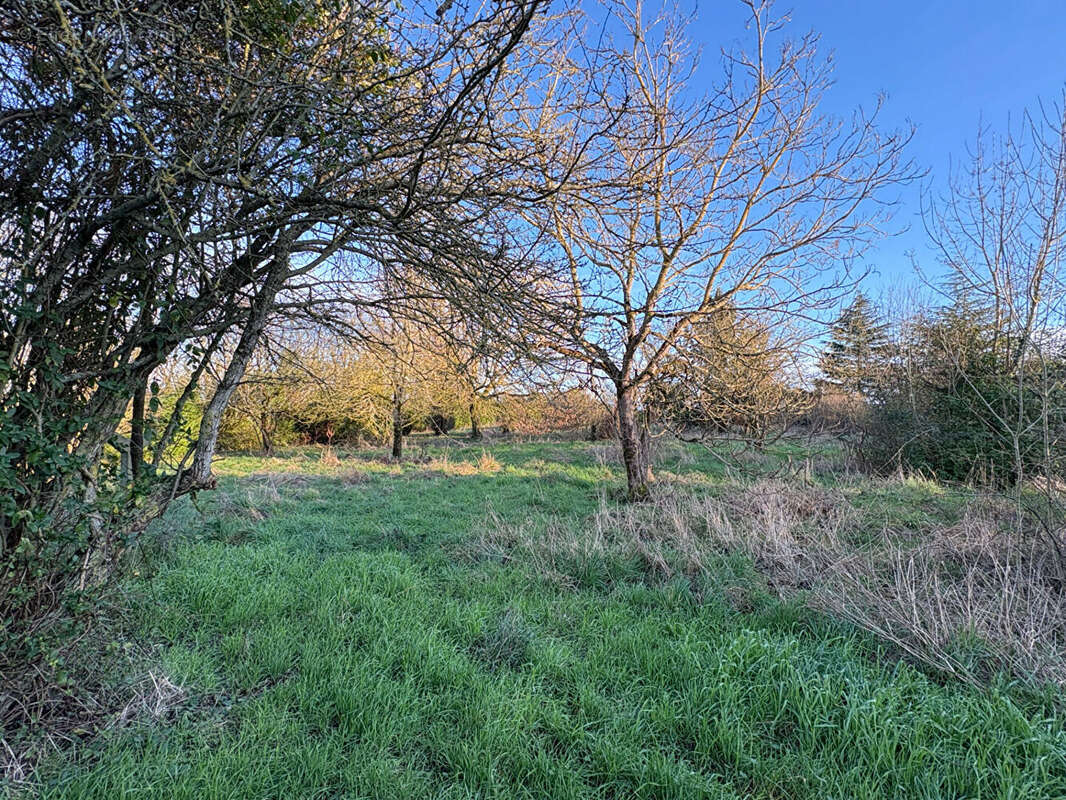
point(634, 441)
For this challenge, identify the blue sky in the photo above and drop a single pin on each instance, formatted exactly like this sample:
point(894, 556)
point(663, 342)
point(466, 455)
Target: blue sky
point(945, 65)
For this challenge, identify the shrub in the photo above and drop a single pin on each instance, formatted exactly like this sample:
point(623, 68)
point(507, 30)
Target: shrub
point(240, 433)
point(539, 413)
point(604, 426)
point(833, 410)
point(955, 405)
point(441, 423)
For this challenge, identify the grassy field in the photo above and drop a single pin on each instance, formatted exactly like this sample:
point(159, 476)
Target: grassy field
point(472, 624)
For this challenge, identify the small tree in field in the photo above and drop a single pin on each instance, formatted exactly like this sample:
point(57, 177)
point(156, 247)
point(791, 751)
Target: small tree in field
point(690, 203)
point(727, 375)
point(1000, 233)
point(271, 390)
point(977, 389)
point(477, 366)
point(857, 349)
point(347, 399)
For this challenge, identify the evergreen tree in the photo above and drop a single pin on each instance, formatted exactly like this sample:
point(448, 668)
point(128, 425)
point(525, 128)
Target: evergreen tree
point(857, 349)
point(727, 373)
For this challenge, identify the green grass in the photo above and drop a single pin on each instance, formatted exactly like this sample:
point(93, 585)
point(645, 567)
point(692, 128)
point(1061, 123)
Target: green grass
point(336, 635)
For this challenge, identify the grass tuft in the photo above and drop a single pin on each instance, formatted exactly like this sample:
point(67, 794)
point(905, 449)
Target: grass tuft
point(506, 642)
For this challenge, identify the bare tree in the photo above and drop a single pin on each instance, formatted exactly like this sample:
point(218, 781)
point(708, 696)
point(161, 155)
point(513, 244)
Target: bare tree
point(475, 365)
point(690, 203)
point(1000, 230)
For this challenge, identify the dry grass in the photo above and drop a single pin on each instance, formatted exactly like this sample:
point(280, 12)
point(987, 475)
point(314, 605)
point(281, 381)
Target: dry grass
point(352, 477)
point(1053, 486)
point(94, 701)
point(155, 699)
point(970, 598)
point(833, 464)
point(443, 465)
point(678, 533)
point(18, 762)
point(329, 458)
point(668, 450)
point(487, 463)
point(607, 455)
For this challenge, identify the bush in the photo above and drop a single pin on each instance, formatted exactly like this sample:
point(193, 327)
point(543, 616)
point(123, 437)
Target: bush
point(239, 433)
point(960, 409)
point(441, 423)
point(64, 519)
point(341, 431)
point(539, 413)
point(834, 410)
point(603, 427)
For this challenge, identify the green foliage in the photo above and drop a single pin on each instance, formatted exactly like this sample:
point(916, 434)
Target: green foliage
point(59, 532)
point(857, 349)
point(726, 374)
point(187, 424)
point(241, 433)
point(955, 406)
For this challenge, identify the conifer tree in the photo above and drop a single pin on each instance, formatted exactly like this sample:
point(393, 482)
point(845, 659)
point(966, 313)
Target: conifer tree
point(856, 350)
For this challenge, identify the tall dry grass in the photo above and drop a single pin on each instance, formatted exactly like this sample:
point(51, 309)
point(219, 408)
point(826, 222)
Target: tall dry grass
point(970, 598)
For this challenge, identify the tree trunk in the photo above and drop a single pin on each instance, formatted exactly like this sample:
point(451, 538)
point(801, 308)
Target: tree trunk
point(162, 443)
point(475, 428)
point(634, 445)
point(397, 427)
point(266, 435)
point(200, 473)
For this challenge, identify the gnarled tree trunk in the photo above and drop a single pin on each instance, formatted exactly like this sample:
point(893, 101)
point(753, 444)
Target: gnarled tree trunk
point(634, 439)
point(200, 473)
